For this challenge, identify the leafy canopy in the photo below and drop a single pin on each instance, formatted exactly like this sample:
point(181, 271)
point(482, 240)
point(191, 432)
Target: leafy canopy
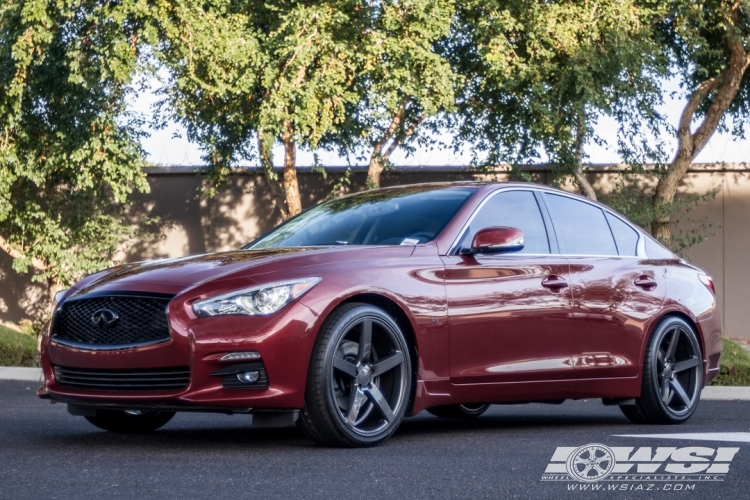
point(69, 151)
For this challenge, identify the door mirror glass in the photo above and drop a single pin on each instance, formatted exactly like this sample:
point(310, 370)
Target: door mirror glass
point(497, 240)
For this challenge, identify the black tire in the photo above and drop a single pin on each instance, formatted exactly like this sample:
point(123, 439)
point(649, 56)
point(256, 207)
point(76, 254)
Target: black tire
point(357, 396)
point(672, 375)
point(130, 422)
point(459, 411)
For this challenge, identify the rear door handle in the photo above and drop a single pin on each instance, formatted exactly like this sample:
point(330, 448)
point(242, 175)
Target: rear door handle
point(646, 282)
point(554, 282)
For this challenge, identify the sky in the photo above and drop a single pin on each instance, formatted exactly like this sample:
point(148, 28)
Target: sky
point(170, 146)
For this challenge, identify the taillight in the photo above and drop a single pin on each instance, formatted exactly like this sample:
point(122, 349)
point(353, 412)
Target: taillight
point(708, 281)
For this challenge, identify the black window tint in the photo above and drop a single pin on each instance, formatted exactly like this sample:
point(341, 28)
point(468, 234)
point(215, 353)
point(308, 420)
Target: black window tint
point(517, 209)
point(580, 227)
point(625, 236)
point(408, 215)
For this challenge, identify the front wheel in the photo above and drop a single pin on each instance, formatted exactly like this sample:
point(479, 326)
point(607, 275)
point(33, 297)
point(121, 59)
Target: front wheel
point(672, 376)
point(130, 421)
point(359, 380)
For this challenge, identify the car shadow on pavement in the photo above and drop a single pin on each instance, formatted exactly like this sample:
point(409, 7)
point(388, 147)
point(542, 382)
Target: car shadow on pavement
point(191, 433)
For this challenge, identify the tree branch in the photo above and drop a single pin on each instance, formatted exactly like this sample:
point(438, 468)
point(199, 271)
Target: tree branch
point(6, 247)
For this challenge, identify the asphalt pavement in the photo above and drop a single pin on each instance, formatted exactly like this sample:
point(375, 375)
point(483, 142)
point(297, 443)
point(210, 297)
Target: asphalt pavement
point(513, 451)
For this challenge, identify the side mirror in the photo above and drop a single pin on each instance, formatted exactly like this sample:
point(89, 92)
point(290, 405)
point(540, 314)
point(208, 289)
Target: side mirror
point(496, 240)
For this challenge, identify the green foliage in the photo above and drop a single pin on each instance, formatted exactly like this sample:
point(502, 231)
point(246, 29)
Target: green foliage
point(237, 67)
point(735, 365)
point(538, 73)
point(401, 80)
point(69, 152)
point(633, 197)
point(16, 348)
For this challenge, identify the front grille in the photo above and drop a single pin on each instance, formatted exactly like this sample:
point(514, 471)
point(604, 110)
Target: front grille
point(148, 379)
point(112, 321)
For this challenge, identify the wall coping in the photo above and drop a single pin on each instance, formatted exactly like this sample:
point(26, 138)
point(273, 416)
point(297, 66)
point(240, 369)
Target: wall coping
point(719, 167)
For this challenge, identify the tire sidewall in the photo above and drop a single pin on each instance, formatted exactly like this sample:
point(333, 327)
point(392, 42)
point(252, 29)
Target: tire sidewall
point(652, 359)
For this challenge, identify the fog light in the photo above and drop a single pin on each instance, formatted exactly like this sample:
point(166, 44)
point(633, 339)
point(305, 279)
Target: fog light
point(248, 377)
point(235, 356)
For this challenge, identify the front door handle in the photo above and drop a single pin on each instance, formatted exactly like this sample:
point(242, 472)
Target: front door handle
point(646, 282)
point(554, 282)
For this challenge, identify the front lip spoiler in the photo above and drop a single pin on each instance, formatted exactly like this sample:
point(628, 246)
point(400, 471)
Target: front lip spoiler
point(44, 393)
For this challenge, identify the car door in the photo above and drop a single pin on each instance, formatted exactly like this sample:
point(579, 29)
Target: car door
point(615, 291)
point(508, 312)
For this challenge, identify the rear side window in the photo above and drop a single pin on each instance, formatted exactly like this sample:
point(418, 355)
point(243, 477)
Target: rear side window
point(580, 227)
point(625, 236)
point(517, 209)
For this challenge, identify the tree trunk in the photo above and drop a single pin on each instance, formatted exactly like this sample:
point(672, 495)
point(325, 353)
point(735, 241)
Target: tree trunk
point(291, 186)
point(380, 153)
point(723, 89)
point(580, 177)
point(54, 286)
point(277, 193)
point(374, 169)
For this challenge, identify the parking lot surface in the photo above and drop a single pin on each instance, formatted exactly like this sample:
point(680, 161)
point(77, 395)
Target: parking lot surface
point(518, 451)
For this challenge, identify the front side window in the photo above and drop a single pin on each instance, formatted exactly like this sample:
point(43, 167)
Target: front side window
point(517, 209)
point(580, 227)
point(404, 216)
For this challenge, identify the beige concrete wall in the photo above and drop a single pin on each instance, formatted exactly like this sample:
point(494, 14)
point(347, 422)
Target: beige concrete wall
point(191, 224)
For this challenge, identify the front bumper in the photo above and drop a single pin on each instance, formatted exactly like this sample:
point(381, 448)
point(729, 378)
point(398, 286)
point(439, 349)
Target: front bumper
point(284, 341)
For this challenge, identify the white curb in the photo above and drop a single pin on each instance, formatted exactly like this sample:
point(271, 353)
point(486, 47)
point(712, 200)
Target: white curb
point(17, 373)
point(725, 393)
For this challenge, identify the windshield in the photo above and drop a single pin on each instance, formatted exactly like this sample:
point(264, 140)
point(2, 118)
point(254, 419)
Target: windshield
point(390, 217)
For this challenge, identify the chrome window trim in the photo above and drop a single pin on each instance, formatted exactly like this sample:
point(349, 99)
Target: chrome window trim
point(640, 247)
point(481, 205)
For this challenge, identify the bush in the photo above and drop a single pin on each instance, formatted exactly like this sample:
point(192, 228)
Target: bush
point(17, 349)
point(735, 365)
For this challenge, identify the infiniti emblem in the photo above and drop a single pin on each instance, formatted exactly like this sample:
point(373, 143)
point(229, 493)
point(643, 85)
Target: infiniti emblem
point(104, 318)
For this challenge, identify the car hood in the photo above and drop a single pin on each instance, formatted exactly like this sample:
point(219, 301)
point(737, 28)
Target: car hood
point(175, 275)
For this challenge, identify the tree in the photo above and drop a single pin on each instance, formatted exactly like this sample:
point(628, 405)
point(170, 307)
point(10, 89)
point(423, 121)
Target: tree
point(246, 75)
point(538, 74)
point(707, 43)
point(69, 152)
point(402, 81)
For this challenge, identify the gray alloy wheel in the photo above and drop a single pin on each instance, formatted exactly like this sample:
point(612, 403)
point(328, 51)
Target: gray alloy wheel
point(359, 380)
point(464, 411)
point(672, 376)
point(130, 421)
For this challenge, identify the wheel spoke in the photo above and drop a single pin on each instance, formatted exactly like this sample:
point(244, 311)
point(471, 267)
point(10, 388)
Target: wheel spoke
point(387, 364)
point(660, 358)
point(686, 365)
point(677, 387)
point(358, 398)
point(665, 396)
point(673, 344)
point(374, 394)
point(365, 341)
point(345, 366)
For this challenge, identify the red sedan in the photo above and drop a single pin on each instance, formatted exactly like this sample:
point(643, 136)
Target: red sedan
point(375, 306)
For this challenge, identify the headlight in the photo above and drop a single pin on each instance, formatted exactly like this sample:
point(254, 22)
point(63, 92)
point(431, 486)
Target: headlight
point(255, 301)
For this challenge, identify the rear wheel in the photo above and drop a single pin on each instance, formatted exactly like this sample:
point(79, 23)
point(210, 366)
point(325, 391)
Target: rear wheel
point(359, 380)
point(672, 376)
point(459, 411)
point(130, 421)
